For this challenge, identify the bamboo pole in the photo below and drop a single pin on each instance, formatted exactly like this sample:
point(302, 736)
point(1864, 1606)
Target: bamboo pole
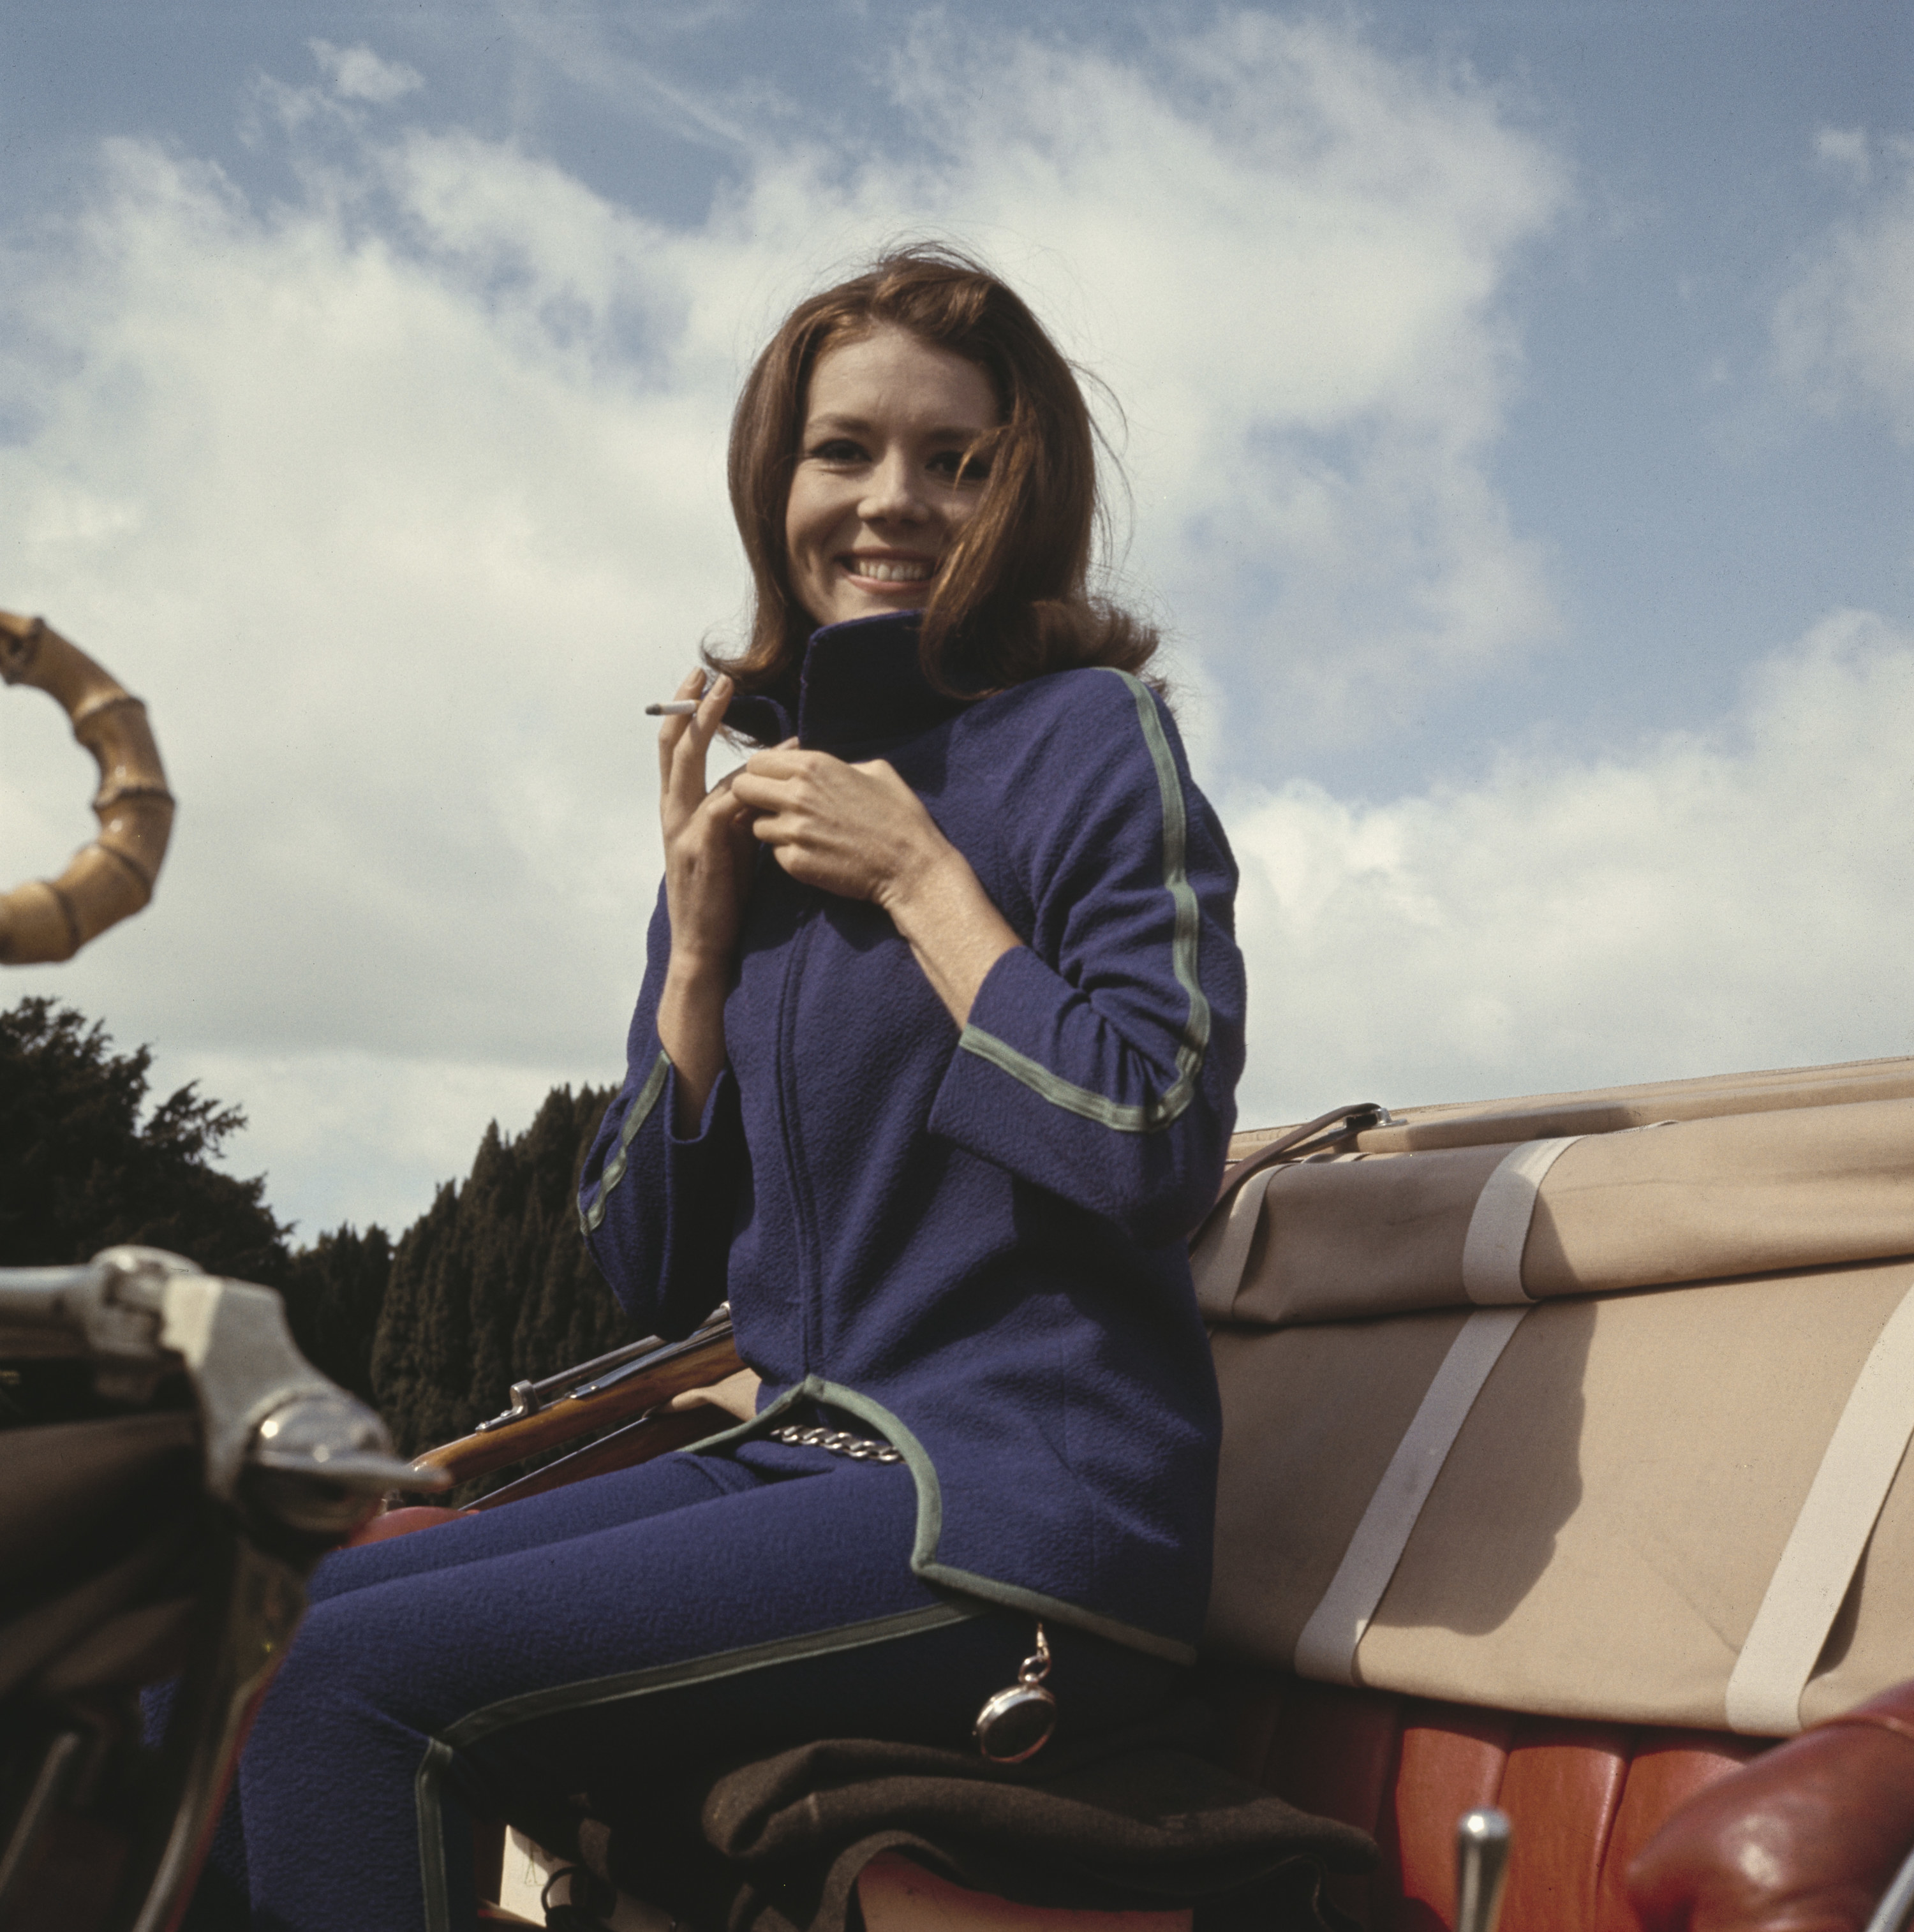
point(50, 919)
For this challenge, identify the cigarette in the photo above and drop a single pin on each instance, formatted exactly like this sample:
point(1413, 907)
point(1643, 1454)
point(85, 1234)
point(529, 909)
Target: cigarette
point(675, 707)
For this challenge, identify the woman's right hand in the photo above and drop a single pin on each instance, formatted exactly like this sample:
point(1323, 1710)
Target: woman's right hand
point(709, 851)
point(709, 857)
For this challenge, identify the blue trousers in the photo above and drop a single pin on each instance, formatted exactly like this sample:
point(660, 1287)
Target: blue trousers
point(706, 1607)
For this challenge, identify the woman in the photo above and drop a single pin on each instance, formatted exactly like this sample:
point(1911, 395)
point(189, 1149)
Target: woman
point(931, 1075)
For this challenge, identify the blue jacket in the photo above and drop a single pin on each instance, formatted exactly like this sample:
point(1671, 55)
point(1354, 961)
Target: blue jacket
point(973, 1243)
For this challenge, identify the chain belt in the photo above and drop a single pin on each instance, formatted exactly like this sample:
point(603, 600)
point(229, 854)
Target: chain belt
point(838, 1441)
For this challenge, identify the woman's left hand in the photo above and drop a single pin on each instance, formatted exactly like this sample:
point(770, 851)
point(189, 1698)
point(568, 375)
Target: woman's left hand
point(856, 830)
point(859, 831)
point(736, 1395)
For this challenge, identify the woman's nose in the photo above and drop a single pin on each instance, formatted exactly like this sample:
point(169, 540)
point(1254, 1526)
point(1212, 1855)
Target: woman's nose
point(892, 495)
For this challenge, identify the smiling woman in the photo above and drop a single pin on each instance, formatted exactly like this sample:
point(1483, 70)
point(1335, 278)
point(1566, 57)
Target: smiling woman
point(1000, 477)
point(888, 472)
point(932, 1072)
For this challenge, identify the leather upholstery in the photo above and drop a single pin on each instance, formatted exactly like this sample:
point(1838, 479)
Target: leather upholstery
point(1449, 1761)
point(1806, 1840)
point(1664, 1775)
point(1575, 1774)
point(1585, 1797)
point(402, 1522)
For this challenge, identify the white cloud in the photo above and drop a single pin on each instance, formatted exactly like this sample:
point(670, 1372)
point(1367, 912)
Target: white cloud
point(369, 1136)
point(1845, 149)
point(1710, 904)
point(399, 500)
point(1844, 331)
point(357, 74)
point(397, 571)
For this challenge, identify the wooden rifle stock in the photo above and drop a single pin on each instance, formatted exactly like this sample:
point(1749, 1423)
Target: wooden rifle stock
point(656, 1434)
point(646, 1383)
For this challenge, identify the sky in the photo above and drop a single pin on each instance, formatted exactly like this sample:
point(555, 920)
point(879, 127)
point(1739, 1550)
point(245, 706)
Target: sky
point(1514, 401)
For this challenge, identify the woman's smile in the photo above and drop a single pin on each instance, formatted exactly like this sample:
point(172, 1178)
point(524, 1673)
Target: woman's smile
point(892, 569)
point(886, 473)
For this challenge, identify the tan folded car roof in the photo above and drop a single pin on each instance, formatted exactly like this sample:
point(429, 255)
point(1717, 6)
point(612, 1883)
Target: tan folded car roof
point(1606, 1426)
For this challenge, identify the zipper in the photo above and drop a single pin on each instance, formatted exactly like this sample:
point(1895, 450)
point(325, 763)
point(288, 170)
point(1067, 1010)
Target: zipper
point(797, 1183)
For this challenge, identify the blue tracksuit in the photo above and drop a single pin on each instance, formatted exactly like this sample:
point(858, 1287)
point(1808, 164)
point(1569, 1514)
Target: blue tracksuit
point(972, 1245)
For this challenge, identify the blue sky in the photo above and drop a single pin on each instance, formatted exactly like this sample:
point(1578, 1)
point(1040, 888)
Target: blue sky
point(1518, 401)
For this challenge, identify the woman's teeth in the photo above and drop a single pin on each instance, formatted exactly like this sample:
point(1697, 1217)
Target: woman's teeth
point(881, 571)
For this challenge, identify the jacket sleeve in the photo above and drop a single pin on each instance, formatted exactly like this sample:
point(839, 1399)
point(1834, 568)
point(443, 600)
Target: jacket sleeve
point(656, 1208)
point(1100, 1059)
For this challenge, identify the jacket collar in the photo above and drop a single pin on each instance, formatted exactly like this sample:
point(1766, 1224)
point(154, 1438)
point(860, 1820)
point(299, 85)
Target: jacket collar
point(860, 682)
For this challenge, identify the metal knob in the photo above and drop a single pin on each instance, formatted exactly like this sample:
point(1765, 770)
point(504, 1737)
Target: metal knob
point(1482, 1868)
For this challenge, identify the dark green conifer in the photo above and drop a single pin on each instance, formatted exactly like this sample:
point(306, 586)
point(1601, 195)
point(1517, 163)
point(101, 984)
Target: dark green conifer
point(493, 1285)
point(489, 1285)
point(334, 1290)
point(80, 1171)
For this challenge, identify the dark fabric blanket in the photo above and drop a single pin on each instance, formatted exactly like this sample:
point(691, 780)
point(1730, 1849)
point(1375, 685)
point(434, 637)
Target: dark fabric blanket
point(1140, 1820)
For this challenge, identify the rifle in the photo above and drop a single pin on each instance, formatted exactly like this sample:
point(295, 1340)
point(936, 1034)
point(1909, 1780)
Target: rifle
point(632, 1386)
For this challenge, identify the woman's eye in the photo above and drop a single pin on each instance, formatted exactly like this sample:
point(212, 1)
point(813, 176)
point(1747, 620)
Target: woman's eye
point(951, 464)
point(837, 449)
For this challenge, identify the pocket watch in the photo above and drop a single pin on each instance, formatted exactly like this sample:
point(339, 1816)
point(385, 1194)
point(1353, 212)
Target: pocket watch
point(1017, 1723)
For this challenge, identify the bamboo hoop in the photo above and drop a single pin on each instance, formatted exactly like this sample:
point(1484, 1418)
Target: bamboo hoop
point(50, 919)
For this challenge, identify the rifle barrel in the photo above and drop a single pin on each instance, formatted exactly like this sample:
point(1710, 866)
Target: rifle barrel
point(529, 1397)
point(644, 1384)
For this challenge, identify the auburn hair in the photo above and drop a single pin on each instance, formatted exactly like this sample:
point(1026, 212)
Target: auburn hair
point(1012, 599)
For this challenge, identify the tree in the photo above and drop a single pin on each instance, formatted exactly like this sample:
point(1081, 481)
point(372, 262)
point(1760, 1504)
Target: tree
point(80, 1171)
point(333, 1292)
point(492, 1284)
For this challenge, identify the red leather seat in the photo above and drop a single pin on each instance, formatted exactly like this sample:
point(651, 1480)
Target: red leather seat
point(1806, 1839)
point(1584, 1799)
point(403, 1522)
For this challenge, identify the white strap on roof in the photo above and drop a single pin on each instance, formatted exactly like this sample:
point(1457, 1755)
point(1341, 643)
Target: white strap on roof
point(1223, 1253)
point(1327, 1649)
point(1498, 1228)
point(1825, 1547)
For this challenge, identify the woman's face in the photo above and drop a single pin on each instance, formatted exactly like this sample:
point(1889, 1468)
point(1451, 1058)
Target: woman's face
point(875, 499)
